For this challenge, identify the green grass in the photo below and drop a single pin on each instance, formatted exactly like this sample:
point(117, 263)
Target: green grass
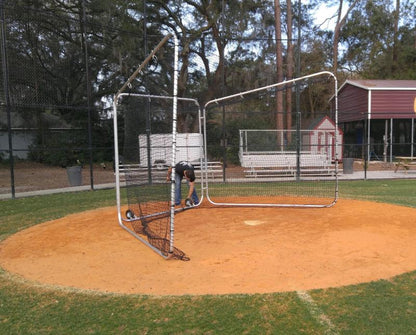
point(381, 307)
point(401, 192)
point(21, 213)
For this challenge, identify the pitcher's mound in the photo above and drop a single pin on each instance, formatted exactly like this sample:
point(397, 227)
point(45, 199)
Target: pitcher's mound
point(232, 250)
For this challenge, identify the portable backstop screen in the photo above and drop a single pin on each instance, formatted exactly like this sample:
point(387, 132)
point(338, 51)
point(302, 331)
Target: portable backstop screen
point(266, 163)
point(247, 150)
point(145, 145)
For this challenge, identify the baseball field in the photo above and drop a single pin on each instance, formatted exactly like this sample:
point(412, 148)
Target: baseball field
point(68, 268)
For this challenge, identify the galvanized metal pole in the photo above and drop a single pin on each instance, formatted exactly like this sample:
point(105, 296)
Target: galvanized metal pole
point(174, 133)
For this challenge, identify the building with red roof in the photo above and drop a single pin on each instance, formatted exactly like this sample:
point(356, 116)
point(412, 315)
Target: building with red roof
point(378, 118)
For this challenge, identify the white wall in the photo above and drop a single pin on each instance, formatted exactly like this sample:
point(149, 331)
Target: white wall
point(189, 147)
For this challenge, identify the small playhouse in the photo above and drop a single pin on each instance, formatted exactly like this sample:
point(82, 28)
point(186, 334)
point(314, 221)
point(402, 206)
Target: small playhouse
point(321, 138)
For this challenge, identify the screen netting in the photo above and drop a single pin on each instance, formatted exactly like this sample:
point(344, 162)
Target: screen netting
point(274, 154)
point(146, 142)
point(247, 149)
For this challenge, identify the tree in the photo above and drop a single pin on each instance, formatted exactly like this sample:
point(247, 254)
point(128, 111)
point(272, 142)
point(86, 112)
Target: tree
point(341, 19)
point(279, 65)
point(373, 47)
point(290, 65)
point(395, 37)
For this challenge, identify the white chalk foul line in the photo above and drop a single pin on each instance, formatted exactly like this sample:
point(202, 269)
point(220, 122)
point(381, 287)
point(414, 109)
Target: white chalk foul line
point(317, 313)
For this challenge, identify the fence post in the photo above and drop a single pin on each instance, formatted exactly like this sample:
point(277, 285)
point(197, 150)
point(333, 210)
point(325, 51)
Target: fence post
point(7, 96)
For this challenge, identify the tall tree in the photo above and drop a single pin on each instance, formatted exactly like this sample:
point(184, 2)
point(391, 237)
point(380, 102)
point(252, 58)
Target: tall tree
point(341, 19)
point(290, 65)
point(395, 37)
point(208, 28)
point(279, 65)
point(371, 42)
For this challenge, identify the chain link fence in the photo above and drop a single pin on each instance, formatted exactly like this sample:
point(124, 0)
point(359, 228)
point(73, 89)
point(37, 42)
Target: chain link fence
point(60, 68)
point(58, 77)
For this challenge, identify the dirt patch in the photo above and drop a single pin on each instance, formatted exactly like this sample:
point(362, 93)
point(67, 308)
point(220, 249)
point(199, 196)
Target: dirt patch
point(31, 176)
point(232, 250)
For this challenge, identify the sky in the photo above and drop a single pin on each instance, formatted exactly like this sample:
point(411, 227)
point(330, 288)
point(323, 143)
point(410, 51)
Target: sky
point(324, 12)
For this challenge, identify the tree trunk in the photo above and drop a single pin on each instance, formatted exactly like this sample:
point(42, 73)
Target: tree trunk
point(395, 38)
point(279, 66)
point(290, 66)
point(337, 31)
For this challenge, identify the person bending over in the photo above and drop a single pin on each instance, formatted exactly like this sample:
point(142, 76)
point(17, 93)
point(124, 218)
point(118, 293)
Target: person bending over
point(184, 169)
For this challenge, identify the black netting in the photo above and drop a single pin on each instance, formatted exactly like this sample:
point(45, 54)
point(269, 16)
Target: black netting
point(146, 144)
point(263, 163)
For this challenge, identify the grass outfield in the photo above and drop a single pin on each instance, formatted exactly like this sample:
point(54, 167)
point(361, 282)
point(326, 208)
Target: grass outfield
point(381, 307)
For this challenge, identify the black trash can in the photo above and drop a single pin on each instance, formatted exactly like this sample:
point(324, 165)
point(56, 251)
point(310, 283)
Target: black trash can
point(348, 165)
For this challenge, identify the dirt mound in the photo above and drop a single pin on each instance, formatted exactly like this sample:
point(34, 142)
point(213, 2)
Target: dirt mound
point(232, 250)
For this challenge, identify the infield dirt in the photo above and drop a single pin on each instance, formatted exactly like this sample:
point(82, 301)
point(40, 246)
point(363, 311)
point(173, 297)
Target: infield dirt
point(231, 250)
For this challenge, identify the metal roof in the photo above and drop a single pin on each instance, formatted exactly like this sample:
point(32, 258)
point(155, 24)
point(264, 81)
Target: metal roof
point(370, 84)
point(377, 99)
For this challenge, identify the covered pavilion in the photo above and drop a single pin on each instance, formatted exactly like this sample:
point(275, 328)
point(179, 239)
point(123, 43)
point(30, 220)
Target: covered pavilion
point(378, 118)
